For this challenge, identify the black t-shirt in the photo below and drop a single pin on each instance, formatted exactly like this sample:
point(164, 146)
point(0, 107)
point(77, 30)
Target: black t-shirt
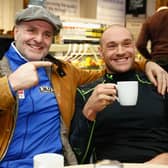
point(133, 133)
point(127, 134)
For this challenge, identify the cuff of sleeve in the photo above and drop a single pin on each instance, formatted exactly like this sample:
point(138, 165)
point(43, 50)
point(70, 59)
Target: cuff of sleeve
point(140, 63)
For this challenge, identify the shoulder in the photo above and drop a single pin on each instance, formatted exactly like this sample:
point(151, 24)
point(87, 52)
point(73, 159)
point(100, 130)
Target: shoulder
point(91, 84)
point(142, 78)
point(89, 87)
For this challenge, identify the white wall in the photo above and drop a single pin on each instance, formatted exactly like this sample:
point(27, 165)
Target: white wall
point(151, 5)
point(8, 10)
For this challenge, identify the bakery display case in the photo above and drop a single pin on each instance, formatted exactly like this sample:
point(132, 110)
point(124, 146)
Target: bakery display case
point(78, 42)
point(83, 55)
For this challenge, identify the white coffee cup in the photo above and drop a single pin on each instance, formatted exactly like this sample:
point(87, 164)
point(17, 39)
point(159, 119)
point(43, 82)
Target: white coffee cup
point(48, 160)
point(127, 93)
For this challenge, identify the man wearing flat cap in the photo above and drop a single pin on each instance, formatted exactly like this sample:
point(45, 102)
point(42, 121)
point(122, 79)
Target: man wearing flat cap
point(37, 92)
point(39, 13)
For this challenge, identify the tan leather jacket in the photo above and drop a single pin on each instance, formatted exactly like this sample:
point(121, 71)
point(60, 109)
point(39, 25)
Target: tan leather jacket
point(65, 91)
point(64, 88)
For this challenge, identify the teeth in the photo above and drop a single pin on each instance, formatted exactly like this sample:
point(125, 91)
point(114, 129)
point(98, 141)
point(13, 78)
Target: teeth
point(121, 60)
point(35, 47)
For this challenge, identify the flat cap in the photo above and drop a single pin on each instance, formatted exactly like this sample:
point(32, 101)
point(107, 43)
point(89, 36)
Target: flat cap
point(39, 13)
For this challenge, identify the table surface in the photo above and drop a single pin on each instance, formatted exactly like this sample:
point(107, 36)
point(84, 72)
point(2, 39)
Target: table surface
point(126, 165)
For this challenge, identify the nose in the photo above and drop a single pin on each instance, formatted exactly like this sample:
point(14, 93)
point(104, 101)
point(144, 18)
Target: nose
point(39, 38)
point(120, 49)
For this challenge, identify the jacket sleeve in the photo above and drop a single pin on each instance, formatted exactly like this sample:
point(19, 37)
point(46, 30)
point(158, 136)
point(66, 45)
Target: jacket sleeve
point(142, 41)
point(140, 62)
point(6, 96)
point(87, 76)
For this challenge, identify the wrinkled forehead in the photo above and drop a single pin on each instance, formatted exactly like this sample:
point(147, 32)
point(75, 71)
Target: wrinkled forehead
point(38, 24)
point(116, 34)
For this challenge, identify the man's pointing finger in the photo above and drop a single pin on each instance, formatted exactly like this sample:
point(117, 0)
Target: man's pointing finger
point(39, 64)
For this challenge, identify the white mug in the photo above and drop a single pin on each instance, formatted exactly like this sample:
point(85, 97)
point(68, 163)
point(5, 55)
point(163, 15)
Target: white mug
point(127, 93)
point(48, 160)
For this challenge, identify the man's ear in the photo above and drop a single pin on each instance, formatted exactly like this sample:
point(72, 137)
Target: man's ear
point(15, 31)
point(100, 50)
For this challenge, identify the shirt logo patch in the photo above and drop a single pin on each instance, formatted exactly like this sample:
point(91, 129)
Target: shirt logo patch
point(21, 94)
point(46, 89)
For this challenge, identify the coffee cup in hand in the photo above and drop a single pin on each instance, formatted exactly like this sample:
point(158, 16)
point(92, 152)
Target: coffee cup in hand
point(127, 93)
point(48, 160)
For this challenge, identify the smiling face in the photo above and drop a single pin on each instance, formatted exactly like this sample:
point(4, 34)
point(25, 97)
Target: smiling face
point(33, 39)
point(117, 49)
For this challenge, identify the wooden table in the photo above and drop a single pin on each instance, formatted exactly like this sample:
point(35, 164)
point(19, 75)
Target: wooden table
point(126, 165)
